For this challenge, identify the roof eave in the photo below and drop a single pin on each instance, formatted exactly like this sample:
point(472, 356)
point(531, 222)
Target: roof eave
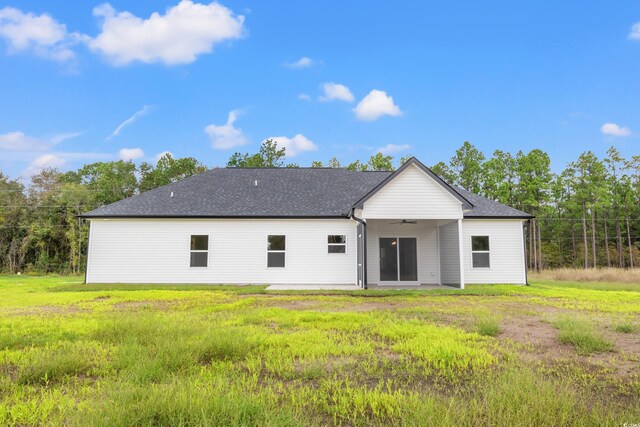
point(527, 216)
point(85, 216)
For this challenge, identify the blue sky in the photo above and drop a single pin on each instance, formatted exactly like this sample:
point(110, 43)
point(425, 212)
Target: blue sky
point(83, 82)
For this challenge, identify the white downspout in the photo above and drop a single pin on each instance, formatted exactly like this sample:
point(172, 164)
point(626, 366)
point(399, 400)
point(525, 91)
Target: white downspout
point(460, 250)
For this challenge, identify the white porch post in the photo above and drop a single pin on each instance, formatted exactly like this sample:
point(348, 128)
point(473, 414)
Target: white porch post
point(461, 252)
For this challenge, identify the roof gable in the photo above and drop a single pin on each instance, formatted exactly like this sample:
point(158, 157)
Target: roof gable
point(415, 162)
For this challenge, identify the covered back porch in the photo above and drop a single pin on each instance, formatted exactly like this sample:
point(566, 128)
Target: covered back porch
point(404, 252)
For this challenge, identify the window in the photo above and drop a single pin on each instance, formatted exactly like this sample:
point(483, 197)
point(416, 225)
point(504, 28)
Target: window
point(276, 245)
point(480, 253)
point(199, 251)
point(337, 244)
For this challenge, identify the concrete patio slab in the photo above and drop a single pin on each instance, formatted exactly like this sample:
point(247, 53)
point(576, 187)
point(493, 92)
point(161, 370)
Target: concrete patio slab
point(356, 288)
point(313, 288)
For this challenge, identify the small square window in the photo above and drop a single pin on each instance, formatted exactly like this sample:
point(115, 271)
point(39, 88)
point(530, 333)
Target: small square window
point(480, 243)
point(199, 243)
point(276, 243)
point(199, 259)
point(275, 259)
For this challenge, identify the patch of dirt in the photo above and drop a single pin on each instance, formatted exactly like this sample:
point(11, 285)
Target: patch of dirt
point(339, 307)
point(10, 371)
point(536, 334)
point(47, 310)
point(138, 305)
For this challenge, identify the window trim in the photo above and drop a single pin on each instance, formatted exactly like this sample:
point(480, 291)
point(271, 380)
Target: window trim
point(276, 251)
point(480, 252)
point(199, 250)
point(337, 244)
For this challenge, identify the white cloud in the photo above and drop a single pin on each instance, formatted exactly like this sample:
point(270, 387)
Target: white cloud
point(304, 97)
point(615, 130)
point(375, 105)
point(294, 146)
point(303, 62)
point(336, 92)
point(161, 155)
point(127, 154)
point(131, 120)
point(39, 34)
point(226, 136)
point(635, 32)
point(43, 162)
point(393, 148)
point(185, 31)
point(18, 141)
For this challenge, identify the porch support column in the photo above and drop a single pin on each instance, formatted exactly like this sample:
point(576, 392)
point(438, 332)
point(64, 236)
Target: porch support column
point(461, 252)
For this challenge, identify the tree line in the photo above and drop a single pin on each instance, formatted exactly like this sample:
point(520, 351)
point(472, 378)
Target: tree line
point(587, 215)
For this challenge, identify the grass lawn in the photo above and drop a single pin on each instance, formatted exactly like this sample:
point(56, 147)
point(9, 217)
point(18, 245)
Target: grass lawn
point(554, 353)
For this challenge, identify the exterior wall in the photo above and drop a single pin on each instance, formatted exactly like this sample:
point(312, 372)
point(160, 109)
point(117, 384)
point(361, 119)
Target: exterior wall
point(412, 195)
point(158, 251)
point(507, 264)
point(449, 253)
point(426, 233)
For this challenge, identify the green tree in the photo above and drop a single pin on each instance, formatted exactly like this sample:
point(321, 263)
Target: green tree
point(589, 187)
point(444, 171)
point(534, 182)
point(168, 170)
point(380, 162)
point(357, 166)
point(13, 209)
point(109, 181)
point(405, 159)
point(467, 165)
point(499, 177)
point(334, 163)
point(268, 156)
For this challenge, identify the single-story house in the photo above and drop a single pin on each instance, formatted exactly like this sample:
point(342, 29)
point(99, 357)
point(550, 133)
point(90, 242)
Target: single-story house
point(307, 226)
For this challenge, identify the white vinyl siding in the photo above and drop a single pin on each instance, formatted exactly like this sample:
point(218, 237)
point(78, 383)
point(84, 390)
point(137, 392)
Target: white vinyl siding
point(412, 195)
point(158, 251)
point(427, 247)
point(449, 253)
point(507, 253)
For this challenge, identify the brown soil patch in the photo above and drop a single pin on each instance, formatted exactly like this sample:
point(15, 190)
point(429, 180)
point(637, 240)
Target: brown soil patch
point(137, 305)
point(47, 310)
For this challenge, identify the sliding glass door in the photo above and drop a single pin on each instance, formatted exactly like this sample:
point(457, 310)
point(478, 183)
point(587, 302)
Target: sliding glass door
point(398, 259)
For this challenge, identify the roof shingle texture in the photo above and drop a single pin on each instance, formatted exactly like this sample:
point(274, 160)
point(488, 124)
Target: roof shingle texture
point(280, 192)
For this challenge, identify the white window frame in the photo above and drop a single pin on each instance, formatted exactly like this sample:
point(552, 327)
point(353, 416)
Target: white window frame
point(199, 250)
point(276, 251)
point(480, 252)
point(337, 244)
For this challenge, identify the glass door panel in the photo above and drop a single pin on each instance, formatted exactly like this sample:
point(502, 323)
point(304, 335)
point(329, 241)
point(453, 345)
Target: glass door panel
point(408, 259)
point(388, 259)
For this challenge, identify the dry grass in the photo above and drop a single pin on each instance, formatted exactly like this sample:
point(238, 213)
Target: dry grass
point(615, 275)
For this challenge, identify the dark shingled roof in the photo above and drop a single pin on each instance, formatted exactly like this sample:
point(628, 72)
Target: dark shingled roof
point(230, 192)
point(486, 208)
point(280, 192)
